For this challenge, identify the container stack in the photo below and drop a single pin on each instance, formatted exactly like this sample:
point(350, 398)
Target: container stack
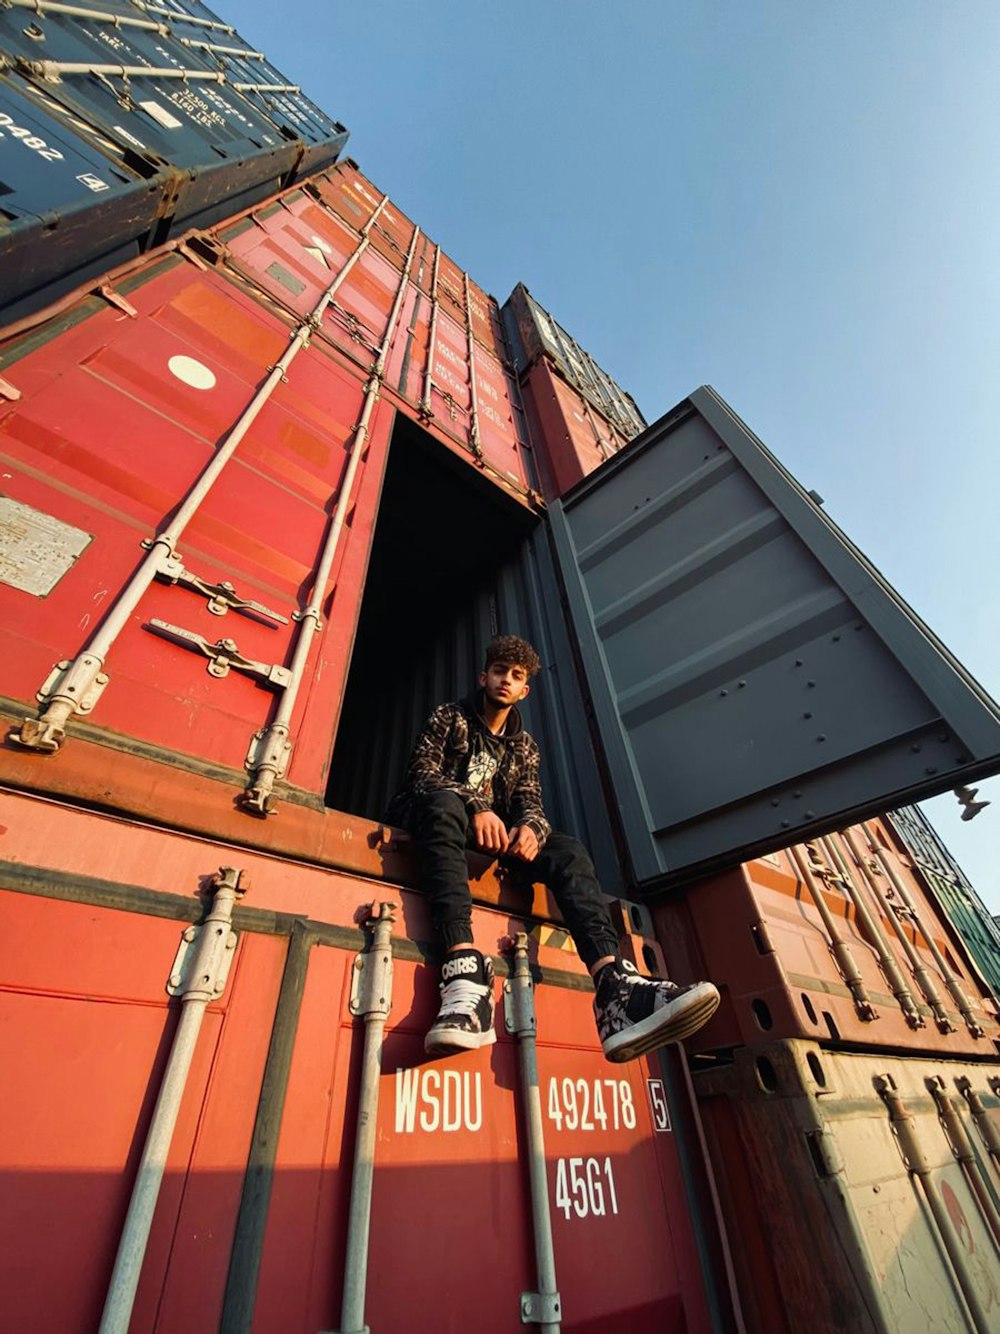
point(276, 469)
point(126, 124)
point(573, 405)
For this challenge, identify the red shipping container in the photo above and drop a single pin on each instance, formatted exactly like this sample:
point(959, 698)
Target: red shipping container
point(250, 1222)
point(571, 438)
point(117, 416)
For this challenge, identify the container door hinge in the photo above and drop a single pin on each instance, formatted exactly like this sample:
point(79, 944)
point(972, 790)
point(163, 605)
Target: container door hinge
point(201, 970)
point(221, 596)
point(116, 299)
point(61, 680)
point(540, 1308)
point(825, 1152)
point(222, 656)
point(269, 746)
point(9, 391)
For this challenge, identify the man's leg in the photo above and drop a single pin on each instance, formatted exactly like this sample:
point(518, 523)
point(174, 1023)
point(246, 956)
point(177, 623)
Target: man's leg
point(634, 1014)
point(439, 824)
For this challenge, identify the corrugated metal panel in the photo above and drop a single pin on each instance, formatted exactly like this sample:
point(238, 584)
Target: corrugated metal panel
point(197, 121)
point(755, 680)
point(966, 910)
point(532, 333)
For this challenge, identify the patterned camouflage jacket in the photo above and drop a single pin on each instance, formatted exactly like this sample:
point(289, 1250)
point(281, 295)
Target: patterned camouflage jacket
point(440, 759)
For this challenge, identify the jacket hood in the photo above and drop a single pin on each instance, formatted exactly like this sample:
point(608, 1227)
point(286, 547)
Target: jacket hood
point(472, 705)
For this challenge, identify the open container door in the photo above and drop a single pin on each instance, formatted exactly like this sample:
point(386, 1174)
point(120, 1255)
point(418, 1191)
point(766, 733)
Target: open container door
point(754, 679)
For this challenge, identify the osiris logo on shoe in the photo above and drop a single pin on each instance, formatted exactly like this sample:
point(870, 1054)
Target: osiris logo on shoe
point(466, 963)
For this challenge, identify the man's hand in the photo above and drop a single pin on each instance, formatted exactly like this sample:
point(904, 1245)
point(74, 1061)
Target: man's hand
point(490, 832)
point(523, 843)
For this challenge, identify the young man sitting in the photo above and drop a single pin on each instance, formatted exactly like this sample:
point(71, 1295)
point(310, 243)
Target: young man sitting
point(473, 781)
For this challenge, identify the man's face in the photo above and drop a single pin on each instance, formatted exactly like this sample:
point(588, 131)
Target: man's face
point(504, 684)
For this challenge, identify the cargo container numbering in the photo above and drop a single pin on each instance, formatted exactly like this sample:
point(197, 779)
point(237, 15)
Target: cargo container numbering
point(258, 441)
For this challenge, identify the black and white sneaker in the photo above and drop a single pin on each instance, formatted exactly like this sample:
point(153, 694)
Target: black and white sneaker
point(637, 1014)
point(465, 1019)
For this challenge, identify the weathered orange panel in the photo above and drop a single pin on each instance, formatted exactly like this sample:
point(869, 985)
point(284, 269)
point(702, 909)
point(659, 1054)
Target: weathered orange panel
point(778, 973)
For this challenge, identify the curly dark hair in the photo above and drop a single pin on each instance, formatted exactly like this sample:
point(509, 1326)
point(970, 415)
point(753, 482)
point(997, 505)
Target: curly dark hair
point(515, 650)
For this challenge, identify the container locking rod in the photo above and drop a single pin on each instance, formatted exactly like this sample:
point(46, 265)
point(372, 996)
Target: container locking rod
point(961, 1147)
point(872, 872)
point(198, 977)
point(918, 1165)
point(371, 1000)
point(544, 1306)
point(839, 947)
point(270, 748)
point(870, 926)
point(950, 978)
point(73, 687)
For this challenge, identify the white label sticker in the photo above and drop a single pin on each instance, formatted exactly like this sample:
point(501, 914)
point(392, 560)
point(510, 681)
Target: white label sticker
point(36, 550)
point(191, 372)
point(162, 115)
point(658, 1104)
point(93, 182)
point(119, 129)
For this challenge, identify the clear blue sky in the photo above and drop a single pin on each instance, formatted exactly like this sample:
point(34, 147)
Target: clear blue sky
point(798, 203)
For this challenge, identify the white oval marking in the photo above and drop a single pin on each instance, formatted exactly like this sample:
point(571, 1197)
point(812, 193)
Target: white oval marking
point(323, 245)
point(191, 372)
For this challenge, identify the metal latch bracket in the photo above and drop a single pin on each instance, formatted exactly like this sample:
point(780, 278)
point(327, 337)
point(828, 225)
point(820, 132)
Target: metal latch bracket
point(540, 1308)
point(223, 655)
point(222, 596)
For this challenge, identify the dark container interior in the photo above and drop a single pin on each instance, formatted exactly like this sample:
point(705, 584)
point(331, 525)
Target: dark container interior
point(454, 562)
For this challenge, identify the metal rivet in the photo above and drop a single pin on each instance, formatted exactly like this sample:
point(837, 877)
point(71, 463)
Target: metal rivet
point(915, 749)
point(784, 824)
point(807, 715)
point(741, 684)
point(931, 769)
point(798, 662)
point(796, 794)
point(723, 692)
point(836, 639)
point(775, 801)
point(810, 815)
point(821, 737)
point(810, 684)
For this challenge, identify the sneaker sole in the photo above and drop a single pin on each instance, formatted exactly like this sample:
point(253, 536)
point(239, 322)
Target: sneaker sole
point(447, 1040)
point(664, 1026)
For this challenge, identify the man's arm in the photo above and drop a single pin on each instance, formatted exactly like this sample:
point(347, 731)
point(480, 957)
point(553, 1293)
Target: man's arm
point(526, 800)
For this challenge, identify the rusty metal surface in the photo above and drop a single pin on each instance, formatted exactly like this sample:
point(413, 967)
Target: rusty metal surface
point(827, 1162)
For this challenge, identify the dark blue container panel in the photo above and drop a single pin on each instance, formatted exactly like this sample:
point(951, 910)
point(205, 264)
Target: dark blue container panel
point(754, 679)
point(62, 198)
point(226, 135)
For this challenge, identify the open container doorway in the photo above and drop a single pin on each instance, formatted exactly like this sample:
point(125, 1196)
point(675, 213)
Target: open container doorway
point(454, 562)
